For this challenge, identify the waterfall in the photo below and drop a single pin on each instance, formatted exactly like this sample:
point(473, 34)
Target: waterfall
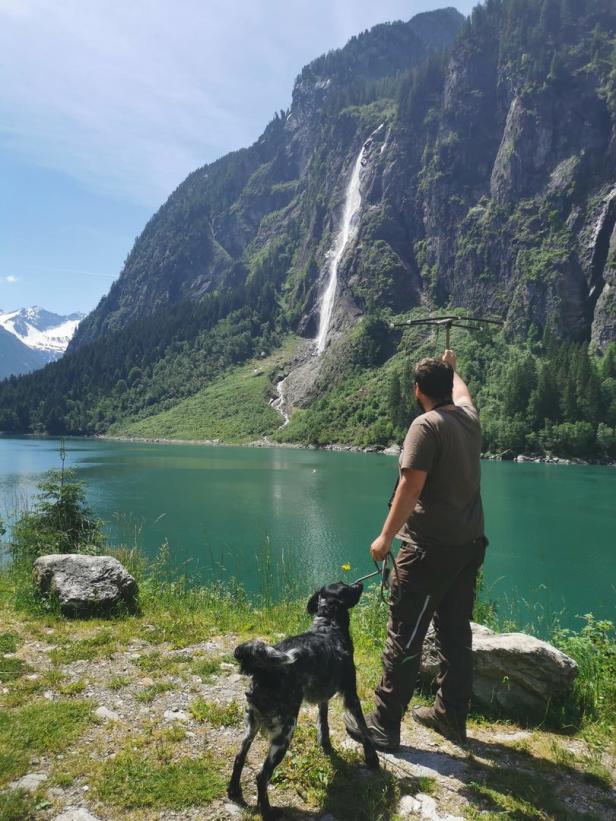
point(279, 403)
point(348, 228)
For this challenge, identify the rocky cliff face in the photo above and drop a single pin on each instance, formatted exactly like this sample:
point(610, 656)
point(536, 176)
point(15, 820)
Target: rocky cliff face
point(204, 236)
point(490, 186)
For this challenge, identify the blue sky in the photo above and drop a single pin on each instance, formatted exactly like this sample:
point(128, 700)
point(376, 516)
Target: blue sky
point(105, 107)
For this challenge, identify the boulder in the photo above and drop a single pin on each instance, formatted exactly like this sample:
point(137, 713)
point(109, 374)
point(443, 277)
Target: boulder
point(86, 585)
point(515, 675)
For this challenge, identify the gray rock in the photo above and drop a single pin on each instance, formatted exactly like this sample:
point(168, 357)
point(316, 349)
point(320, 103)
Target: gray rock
point(30, 782)
point(422, 806)
point(78, 814)
point(106, 714)
point(86, 585)
point(176, 715)
point(515, 675)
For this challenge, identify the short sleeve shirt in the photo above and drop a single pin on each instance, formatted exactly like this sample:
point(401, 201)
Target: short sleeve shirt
point(446, 443)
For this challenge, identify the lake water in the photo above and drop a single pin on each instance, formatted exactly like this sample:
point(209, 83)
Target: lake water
point(226, 511)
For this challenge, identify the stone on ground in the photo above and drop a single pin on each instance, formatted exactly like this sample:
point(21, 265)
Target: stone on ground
point(86, 585)
point(106, 714)
point(30, 782)
point(515, 675)
point(78, 814)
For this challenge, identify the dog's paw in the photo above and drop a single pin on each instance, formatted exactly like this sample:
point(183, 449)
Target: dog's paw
point(235, 794)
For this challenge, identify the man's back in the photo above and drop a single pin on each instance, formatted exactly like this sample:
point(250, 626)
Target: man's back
point(446, 443)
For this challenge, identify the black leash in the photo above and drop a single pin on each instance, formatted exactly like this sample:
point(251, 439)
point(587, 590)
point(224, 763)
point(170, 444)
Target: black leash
point(384, 571)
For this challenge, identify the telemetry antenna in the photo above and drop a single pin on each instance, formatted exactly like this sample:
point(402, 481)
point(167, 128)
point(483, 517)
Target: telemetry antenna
point(468, 323)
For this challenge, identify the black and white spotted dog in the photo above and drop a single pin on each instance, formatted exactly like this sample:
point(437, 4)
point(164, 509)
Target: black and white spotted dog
point(312, 667)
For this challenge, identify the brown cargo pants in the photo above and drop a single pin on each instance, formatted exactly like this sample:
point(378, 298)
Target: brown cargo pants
point(430, 584)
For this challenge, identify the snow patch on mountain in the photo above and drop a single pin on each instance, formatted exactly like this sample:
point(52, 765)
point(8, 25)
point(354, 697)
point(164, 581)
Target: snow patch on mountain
point(41, 330)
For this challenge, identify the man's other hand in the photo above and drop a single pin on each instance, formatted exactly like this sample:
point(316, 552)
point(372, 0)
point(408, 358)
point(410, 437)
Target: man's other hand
point(379, 548)
point(450, 358)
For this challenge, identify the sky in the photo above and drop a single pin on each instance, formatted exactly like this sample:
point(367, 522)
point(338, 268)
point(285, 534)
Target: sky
point(107, 105)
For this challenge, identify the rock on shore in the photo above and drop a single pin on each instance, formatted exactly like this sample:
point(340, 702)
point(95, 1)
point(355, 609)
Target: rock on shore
point(515, 674)
point(86, 585)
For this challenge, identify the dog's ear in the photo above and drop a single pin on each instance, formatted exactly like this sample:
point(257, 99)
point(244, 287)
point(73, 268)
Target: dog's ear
point(313, 603)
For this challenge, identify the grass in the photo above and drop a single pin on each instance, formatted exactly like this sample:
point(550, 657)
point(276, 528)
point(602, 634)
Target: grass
point(148, 694)
point(97, 646)
point(12, 668)
point(218, 715)
point(23, 690)
point(8, 642)
point(206, 668)
point(234, 408)
point(335, 783)
point(17, 805)
point(132, 780)
point(36, 728)
point(73, 688)
point(118, 682)
point(521, 794)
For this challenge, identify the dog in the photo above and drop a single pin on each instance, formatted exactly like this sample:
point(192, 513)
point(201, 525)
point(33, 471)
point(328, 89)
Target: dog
point(311, 667)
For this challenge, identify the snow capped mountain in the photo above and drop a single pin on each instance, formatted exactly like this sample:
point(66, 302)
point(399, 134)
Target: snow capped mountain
point(32, 337)
point(41, 330)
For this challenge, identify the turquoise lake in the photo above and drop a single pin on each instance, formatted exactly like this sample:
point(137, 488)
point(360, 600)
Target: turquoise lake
point(262, 514)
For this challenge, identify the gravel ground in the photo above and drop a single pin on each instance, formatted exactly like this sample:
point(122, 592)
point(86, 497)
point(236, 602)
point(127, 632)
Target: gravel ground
point(135, 693)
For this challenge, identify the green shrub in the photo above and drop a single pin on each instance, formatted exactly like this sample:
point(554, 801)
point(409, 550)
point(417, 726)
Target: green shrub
point(60, 522)
point(593, 698)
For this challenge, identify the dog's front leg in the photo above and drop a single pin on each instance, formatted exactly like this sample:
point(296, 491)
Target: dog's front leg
point(353, 705)
point(323, 727)
point(234, 790)
point(277, 751)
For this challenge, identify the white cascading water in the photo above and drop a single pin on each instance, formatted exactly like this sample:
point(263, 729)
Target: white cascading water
point(348, 228)
point(279, 403)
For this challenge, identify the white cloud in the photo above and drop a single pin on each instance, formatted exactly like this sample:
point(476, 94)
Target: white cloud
point(130, 97)
point(11, 279)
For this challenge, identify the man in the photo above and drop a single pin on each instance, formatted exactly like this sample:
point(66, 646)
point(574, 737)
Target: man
point(436, 512)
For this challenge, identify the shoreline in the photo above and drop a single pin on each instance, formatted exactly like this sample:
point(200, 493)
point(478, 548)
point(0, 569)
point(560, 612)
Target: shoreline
point(391, 450)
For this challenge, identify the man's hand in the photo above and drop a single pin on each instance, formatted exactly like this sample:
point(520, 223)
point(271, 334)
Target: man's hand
point(379, 548)
point(450, 358)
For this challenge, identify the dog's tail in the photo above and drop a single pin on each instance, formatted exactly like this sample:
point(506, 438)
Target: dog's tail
point(256, 655)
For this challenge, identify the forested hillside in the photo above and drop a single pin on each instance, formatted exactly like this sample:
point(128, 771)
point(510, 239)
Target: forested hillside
point(487, 152)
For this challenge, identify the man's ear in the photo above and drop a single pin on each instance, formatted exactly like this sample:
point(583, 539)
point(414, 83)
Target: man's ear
point(313, 603)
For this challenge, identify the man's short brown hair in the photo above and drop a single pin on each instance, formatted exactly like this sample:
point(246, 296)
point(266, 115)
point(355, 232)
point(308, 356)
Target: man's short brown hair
point(434, 378)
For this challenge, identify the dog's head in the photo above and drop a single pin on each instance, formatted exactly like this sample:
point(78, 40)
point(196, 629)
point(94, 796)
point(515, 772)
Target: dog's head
point(335, 599)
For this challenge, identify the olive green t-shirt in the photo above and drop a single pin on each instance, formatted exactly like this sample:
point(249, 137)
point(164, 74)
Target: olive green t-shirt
point(446, 443)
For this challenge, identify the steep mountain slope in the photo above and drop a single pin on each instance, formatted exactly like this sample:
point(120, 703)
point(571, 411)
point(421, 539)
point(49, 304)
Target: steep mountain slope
point(16, 358)
point(480, 177)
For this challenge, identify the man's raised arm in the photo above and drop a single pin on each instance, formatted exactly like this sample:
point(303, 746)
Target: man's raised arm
point(460, 394)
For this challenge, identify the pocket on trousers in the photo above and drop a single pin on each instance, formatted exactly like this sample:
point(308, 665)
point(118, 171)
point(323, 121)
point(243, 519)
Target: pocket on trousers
point(412, 575)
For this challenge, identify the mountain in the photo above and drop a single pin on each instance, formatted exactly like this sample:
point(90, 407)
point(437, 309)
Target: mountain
point(32, 337)
point(16, 358)
point(200, 240)
point(434, 165)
